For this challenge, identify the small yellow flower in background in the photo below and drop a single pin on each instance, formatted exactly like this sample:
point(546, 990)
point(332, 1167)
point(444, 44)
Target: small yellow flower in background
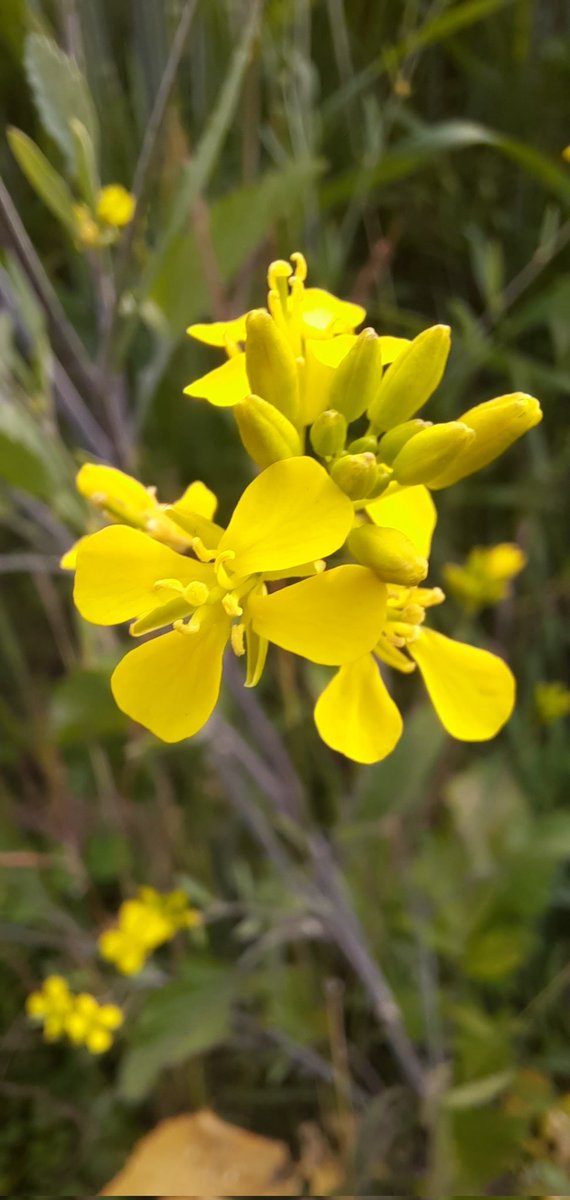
point(92, 1024)
point(51, 1005)
point(79, 1018)
point(552, 701)
point(486, 575)
point(566, 154)
point(143, 924)
point(115, 206)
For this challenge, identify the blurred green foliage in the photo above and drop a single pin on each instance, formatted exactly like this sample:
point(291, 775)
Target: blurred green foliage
point(413, 151)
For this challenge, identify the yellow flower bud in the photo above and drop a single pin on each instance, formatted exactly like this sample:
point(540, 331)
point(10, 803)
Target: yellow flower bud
point(271, 365)
point(412, 378)
point(364, 445)
point(358, 377)
point(328, 434)
point(266, 434)
point(393, 441)
point(389, 553)
point(355, 474)
point(497, 424)
point(115, 205)
point(427, 454)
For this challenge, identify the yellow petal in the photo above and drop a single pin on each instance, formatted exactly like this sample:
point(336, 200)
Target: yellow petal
point(411, 510)
point(223, 386)
point(111, 1016)
point(68, 561)
point(472, 691)
point(117, 569)
point(36, 1005)
point(330, 619)
point(219, 333)
point(356, 715)
point(292, 513)
point(324, 314)
point(321, 360)
point(98, 1040)
point(114, 491)
point(171, 684)
point(198, 499)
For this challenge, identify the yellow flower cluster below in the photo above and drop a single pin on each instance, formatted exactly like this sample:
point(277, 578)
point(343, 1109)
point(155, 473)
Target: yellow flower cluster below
point(143, 924)
point(79, 1018)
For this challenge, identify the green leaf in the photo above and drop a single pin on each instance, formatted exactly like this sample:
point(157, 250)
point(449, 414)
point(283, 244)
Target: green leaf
point(85, 163)
point(495, 953)
point(551, 838)
point(24, 460)
point(238, 224)
point(197, 175)
point(478, 1091)
point(83, 708)
point(419, 150)
point(60, 92)
point(45, 180)
point(177, 1022)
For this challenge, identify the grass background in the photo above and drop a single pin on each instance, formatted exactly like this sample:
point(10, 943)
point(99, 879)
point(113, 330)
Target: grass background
point(412, 150)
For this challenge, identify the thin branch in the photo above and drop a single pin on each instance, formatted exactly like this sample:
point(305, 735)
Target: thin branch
point(67, 344)
point(345, 930)
point(303, 1057)
point(144, 168)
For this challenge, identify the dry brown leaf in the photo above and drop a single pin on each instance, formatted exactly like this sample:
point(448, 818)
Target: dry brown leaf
point(201, 1155)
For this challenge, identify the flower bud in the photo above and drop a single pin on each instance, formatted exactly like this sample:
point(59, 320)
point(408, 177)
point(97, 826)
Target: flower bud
point(390, 445)
point(266, 434)
point(271, 365)
point(496, 424)
point(389, 553)
point(357, 379)
point(328, 434)
point(429, 452)
point(384, 476)
point(411, 378)
point(355, 474)
point(364, 445)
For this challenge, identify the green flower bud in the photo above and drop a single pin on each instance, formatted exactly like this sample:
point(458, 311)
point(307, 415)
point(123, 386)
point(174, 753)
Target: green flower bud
point(384, 476)
point(355, 474)
point(266, 434)
point(496, 425)
point(429, 452)
point(357, 379)
point(271, 365)
point(393, 441)
point(412, 378)
point(364, 445)
point(389, 553)
point(328, 434)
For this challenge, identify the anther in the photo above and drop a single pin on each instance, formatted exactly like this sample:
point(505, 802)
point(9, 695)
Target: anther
point(201, 551)
point(237, 639)
point(231, 606)
point(169, 585)
point(300, 263)
point(222, 576)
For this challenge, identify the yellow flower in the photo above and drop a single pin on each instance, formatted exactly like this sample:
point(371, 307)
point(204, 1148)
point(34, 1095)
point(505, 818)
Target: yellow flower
point(92, 1024)
point(87, 233)
point(566, 154)
point(51, 1005)
point(115, 206)
point(316, 328)
point(472, 691)
point(144, 924)
point(123, 499)
point(288, 519)
point(81, 1018)
point(485, 576)
point(552, 701)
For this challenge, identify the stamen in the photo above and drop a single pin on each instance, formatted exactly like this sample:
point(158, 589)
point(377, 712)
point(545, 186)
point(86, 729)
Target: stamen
point(300, 263)
point(231, 606)
point(201, 551)
point(168, 585)
point(278, 270)
point(196, 593)
point(237, 639)
point(222, 576)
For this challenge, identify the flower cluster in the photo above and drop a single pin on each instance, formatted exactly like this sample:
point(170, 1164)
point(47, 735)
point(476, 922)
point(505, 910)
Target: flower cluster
point(295, 368)
point(80, 1018)
point(486, 575)
point(143, 924)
